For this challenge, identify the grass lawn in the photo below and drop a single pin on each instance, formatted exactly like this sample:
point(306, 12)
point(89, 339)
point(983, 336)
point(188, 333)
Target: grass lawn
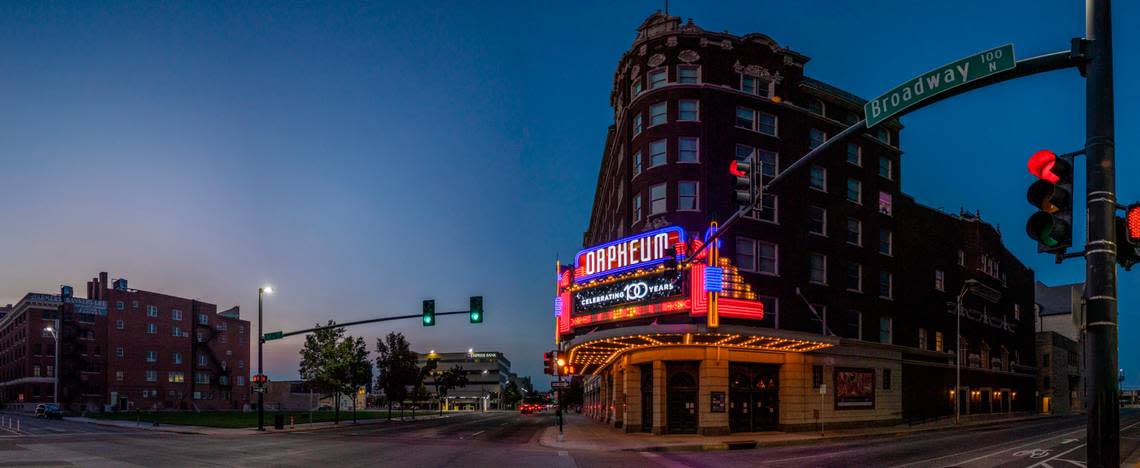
point(239, 419)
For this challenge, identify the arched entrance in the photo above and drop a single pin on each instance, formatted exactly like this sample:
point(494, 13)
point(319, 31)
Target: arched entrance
point(754, 397)
point(681, 398)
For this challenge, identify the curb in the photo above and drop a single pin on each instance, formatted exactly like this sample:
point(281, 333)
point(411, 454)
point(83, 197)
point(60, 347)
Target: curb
point(141, 428)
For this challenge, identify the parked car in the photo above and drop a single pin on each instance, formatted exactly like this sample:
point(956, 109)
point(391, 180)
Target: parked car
point(526, 408)
point(48, 411)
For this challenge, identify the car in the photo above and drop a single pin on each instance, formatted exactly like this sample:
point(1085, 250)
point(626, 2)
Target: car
point(48, 411)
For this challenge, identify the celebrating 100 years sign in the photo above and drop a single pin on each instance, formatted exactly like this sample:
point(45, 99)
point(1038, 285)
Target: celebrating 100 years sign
point(640, 290)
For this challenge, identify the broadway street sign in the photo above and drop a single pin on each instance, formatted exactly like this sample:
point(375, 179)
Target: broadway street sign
point(938, 81)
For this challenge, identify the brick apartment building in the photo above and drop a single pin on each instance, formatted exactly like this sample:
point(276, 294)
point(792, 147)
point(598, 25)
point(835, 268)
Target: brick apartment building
point(881, 270)
point(124, 349)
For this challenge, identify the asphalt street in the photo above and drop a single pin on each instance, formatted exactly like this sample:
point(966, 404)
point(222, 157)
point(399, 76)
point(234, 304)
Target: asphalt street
point(505, 439)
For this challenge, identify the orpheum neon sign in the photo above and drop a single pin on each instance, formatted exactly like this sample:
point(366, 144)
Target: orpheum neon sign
point(638, 251)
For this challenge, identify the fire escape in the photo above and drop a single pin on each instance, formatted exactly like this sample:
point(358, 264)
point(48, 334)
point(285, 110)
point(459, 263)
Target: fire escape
point(220, 371)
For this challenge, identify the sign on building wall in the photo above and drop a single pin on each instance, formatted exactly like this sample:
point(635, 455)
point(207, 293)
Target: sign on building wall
point(80, 306)
point(637, 251)
point(854, 388)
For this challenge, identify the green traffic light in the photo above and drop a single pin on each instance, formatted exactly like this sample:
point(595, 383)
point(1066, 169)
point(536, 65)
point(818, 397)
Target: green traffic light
point(429, 313)
point(476, 311)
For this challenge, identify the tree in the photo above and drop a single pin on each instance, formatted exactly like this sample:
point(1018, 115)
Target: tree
point(333, 363)
point(511, 394)
point(455, 377)
point(396, 366)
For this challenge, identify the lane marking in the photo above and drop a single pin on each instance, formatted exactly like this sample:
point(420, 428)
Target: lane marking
point(1046, 462)
point(477, 433)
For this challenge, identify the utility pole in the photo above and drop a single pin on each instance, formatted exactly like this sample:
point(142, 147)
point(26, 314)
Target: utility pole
point(1103, 431)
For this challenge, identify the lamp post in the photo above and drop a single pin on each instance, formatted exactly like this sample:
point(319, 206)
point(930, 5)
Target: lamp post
point(483, 390)
point(260, 361)
point(55, 369)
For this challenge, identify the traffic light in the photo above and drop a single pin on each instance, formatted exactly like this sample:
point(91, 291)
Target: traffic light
point(259, 379)
point(429, 313)
point(742, 172)
point(548, 363)
point(1052, 194)
point(1128, 237)
point(476, 312)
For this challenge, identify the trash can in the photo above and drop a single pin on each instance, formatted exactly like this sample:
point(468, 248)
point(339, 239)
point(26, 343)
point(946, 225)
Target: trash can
point(279, 421)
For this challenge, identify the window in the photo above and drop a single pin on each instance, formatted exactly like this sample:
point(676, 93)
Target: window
point(175, 314)
point(768, 163)
point(636, 88)
point(885, 329)
point(241, 364)
point(817, 220)
point(855, 324)
point(688, 110)
point(221, 326)
point(961, 258)
point(816, 376)
point(854, 154)
point(134, 304)
point(816, 137)
point(177, 358)
point(768, 254)
point(1017, 311)
point(687, 198)
point(854, 231)
point(688, 149)
point(754, 85)
point(658, 78)
point(637, 128)
point(151, 356)
point(886, 242)
point(657, 153)
point(854, 277)
point(636, 163)
point(886, 285)
point(818, 178)
point(756, 121)
point(203, 319)
point(1045, 360)
point(886, 379)
point(688, 74)
point(151, 376)
point(151, 328)
point(118, 376)
point(767, 208)
point(151, 311)
point(51, 371)
point(175, 377)
point(201, 378)
point(658, 113)
point(817, 268)
point(119, 305)
point(657, 199)
point(854, 191)
point(885, 167)
point(637, 207)
point(119, 325)
point(175, 331)
point(201, 360)
point(119, 352)
point(938, 341)
point(885, 204)
point(921, 338)
point(883, 135)
point(746, 253)
point(940, 280)
point(815, 106)
point(35, 371)
point(819, 316)
point(240, 380)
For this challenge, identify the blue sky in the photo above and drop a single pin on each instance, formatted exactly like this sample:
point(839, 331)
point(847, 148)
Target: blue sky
point(363, 157)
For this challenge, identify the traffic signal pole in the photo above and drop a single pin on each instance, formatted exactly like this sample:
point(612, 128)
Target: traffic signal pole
point(1103, 430)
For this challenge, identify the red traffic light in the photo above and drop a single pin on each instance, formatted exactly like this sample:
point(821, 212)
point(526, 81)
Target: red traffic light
point(1046, 165)
point(1132, 223)
point(734, 169)
point(258, 379)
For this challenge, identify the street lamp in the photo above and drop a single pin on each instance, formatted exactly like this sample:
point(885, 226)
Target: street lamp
point(55, 369)
point(483, 389)
point(261, 341)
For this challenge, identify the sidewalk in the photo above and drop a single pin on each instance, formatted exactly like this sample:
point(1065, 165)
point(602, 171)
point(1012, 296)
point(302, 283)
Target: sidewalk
point(242, 431)
point(582, 433)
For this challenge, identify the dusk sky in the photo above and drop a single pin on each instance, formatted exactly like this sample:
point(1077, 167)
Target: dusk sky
point(363, 157)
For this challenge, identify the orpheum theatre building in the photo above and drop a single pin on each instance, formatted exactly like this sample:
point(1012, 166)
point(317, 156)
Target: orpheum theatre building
point(835, 302)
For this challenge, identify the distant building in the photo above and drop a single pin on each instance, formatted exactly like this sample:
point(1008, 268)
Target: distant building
point(487, 374)
point(124, 349)
point(1060, 348)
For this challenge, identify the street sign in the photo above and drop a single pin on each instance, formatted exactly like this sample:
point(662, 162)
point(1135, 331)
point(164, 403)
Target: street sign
point(560, 384)
point(938, 81)
point(273, 336)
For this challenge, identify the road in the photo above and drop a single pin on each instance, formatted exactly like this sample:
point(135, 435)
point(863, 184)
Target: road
point(503, 440)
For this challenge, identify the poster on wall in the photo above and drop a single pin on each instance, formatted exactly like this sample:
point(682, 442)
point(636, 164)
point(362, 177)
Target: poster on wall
point(717, 402)
point(854, 388)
